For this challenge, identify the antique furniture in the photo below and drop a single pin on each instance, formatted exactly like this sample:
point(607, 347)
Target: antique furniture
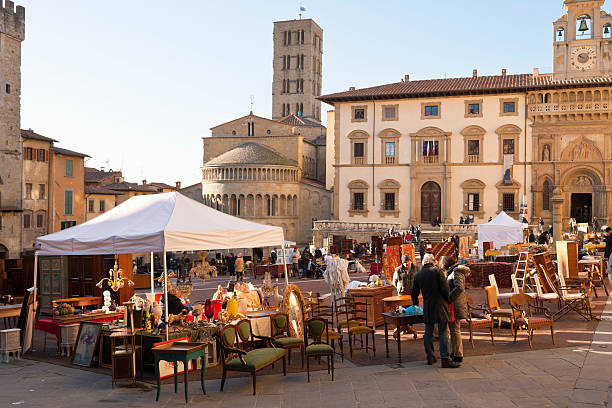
point(594, 271)
point(252, 361)
point(180, 351)
point(123, 359)
point(81, 302)
point(276, 270)
point(315, 329)
point(10, 343)
point(567, 258)
point(293, 306)
point(478, 321)
point(398, 320)
point(327, 312)
point(352, 315)
point(393, 302)
point(524, 306)
point(69, 334)
point(493, 282)
point(279, 323)
point(494, 310)
point(541, 296)
point(10, 314)
point(571, 297)
point(373, 297)
point(516, 289)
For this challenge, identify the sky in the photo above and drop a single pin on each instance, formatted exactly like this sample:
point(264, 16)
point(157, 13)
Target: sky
point(136, 84)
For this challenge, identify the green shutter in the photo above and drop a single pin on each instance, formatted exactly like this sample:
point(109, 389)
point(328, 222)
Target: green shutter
point(67, 202)
point(69, 168)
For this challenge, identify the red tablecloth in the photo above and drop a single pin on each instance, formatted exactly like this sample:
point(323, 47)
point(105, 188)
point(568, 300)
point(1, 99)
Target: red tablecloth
point(375, 268)
point(53, 327)
point(276, 271)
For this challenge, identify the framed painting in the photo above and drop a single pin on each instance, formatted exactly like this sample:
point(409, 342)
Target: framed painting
point(86, 343)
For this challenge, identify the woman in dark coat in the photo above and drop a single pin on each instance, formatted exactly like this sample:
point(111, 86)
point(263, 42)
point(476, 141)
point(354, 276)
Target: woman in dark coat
point(456, 283)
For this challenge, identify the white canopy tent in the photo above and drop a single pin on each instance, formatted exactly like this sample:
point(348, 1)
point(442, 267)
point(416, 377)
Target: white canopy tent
point(501, 230)
point(159, 223)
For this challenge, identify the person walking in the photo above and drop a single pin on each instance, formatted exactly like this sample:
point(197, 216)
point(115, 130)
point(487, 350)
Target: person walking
point(239, 267)
point(456, 282)
point(306, 258)
point(430, 281)
point(231, 259)
point(296, 260)
point(273, 257)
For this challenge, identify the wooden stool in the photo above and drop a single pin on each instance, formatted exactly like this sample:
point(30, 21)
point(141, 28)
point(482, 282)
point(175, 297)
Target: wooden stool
point(10, 342)
point(69, 336)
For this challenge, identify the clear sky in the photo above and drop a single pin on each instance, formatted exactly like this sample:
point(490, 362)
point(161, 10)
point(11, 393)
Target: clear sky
point(138, 83)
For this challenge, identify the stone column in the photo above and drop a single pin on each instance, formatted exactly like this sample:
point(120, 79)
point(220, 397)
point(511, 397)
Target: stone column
point(557, 203)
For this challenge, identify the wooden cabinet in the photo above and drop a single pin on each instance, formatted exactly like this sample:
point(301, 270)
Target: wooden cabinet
point(374, 298)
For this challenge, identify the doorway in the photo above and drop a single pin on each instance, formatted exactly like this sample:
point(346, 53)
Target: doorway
point(431, 201)
point(582, 207)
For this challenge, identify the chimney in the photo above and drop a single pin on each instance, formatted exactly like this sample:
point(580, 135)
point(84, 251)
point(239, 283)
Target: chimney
point(504, 72)
point(144, 182)
point(178, 185)
point(351, 88)
point(475, 73)
point(406, 78)
point(536, 72)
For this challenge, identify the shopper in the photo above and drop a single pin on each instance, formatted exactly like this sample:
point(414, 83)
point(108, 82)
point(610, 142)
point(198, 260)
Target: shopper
point(273, 257)
point(430, 281)
point(456, 282)
point(239, 267)
point(231, 260)
point(608, 249)
point(295, 260)
point(403, 276)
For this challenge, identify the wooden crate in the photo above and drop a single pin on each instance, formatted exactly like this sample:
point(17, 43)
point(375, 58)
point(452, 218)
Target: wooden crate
point(9, 339)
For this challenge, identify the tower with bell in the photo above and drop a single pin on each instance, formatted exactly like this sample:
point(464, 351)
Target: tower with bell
point(582, 44)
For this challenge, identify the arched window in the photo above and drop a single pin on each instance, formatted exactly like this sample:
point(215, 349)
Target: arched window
point(546, 193)
point(607, 31)
point(584, 27)
point(560, 36)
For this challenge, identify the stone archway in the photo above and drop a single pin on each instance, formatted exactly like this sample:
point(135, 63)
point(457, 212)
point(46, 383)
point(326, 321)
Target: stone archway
point(431, 201)
point(582, 191)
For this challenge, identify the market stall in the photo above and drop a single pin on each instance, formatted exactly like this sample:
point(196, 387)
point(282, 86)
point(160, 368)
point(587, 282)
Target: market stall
point(502, 230)
point(158, 223)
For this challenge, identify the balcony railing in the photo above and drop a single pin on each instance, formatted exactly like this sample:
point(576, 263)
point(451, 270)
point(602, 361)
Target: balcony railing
point(431, 159)
point(568, 107)
point(389, 159)
point(473, 158)
point(369, 227)
point(358, 160)
point(451, 228)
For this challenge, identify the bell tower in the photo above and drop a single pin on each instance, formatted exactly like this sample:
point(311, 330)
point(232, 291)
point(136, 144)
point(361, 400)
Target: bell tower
point(582, 41)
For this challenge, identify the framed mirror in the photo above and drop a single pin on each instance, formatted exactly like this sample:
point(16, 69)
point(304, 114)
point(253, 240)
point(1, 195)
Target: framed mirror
point(293, 305)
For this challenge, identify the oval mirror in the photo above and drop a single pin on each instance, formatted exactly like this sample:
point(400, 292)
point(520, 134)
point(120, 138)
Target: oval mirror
point(293, 305)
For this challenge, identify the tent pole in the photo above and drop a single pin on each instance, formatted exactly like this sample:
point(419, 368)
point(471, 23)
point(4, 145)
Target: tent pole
point(166, 294)
point(35, 276)
point(28, 328)
point(285, 263)
point(152, 278)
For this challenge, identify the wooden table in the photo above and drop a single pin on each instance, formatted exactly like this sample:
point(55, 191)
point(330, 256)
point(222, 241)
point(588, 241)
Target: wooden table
point(180, 351)
point(9, 312)
point(393, 302)
point(398, 320)
point(374, 299)
point(594, 270)
point(80, 301)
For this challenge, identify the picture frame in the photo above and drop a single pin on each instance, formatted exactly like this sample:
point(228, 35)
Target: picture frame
point(86, 343)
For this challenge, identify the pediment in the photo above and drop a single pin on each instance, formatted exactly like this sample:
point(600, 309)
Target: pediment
point(581, 149)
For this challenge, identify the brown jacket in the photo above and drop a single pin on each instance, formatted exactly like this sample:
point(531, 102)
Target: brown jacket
point(239, 265)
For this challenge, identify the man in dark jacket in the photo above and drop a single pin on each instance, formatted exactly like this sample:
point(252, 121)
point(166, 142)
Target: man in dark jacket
point(608, 249)
point(431, 282)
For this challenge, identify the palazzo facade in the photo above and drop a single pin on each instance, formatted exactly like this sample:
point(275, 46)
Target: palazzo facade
point(412, 151)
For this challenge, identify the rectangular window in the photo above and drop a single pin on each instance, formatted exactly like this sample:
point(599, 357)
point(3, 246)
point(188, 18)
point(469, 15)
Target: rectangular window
point(508, 202)
point(28, 153)
point(474, 147)
point(69, 168)
point(390, 149)
point(390, 113)
point(28, 191)
point(67, 224)
point(509, 107)
point(102, 205)
point(42, 191)
point(431, 110)
point(430, 148)
point(359, 114)
point(67, 202)
point(41, 156)
point(358, 201)
point(27, 221)
point(389, 201)
point(8, 88)
point(40, 220)
point(358, 150)
point(474, 109)
point(473, 202)
point(508, 146)
point(91, 205)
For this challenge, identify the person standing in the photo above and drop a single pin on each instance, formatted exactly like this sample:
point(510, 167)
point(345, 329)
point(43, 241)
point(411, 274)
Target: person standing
point(295, 260)
point(608, 249)
point(403, 276)
point(541, 225)
point(239, 267)
point(430, 281)
point(273, 257)
point(230, 264)
point(595, 225)
point(306, 258)
point(456, 282)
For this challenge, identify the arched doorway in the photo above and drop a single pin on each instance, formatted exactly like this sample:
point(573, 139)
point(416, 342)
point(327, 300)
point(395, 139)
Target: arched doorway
point(431, 201)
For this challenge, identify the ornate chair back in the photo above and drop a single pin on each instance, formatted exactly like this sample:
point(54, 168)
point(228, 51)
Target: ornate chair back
point(228, 339)
point(492, 302)
point(279, 323)
point(315, 328)
point(245, 334)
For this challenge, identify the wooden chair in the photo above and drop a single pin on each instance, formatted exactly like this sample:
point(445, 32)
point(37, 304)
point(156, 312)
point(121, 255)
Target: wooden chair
point(474, 322)
point(571, 297)
point(500, 296)
point(354, 317)
point(314, 329)
point(253, 361)
point(542, 297)
point(327, 313)
point(279, 323)
point(524, 306)
point(495, 311)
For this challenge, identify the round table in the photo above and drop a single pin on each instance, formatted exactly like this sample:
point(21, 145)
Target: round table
point(393, 302)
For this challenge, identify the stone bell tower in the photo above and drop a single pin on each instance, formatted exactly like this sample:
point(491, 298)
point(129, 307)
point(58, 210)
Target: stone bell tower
point(582, 41)
point(12, 33)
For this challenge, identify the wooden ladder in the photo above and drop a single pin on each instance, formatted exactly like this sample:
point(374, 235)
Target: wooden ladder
point(523, 273)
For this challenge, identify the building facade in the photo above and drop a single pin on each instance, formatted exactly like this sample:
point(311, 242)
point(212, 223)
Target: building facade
point(412, 151)
point(67, 188)
point(297, 66)
point(12, 33)
point(268, 171)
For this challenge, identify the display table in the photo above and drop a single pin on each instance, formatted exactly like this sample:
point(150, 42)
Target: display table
point(393, 302)
point(374, 299)
point(276, 270)
point(81, 302)
point(398, 320)
point(51, 326)
point(180, 351)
